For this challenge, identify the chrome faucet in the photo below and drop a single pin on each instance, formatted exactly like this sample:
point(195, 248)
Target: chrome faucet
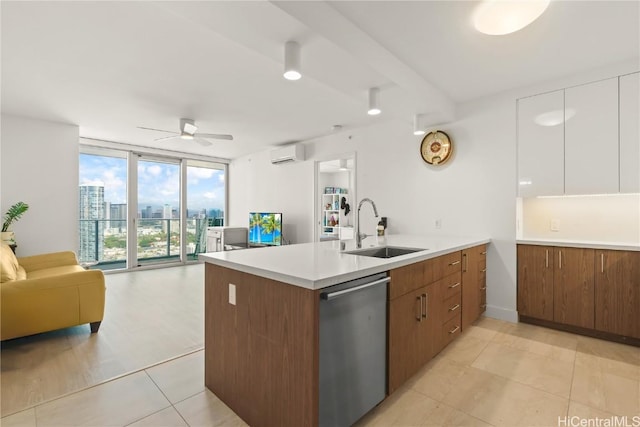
point(360, 236)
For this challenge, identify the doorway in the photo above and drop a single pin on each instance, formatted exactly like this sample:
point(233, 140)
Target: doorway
point(335, 198)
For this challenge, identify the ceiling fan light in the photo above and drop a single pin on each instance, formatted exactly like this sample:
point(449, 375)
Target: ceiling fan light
point(500, 17)
point(292, 61)
point(417, 130)
point(185, 135)
point(374, 108)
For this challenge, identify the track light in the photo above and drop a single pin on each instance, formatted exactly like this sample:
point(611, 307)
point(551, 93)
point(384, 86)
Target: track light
point(417, 129)
point(292, 61)
point(374, 108)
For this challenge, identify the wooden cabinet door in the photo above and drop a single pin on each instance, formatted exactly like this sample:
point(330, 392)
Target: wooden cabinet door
point(471, 285)
point(617, 293)
point(541, 132)
point(591, 138)
point(407, 346)
point(535, 281)
point(629, 133)
point(573, 287)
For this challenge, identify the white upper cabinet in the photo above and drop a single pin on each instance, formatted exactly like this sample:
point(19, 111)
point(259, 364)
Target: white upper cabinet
point(630, 133)
point(591, 138)
point(541, 145)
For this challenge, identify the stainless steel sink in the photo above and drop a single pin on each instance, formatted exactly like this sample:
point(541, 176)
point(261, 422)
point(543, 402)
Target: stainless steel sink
point(385, 251)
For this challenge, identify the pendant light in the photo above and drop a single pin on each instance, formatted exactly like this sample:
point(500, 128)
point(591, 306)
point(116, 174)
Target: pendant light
point(417, 130)
point(374, 108)
point(292, 61)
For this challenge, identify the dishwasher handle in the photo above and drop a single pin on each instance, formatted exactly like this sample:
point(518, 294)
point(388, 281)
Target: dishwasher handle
point(336, 294)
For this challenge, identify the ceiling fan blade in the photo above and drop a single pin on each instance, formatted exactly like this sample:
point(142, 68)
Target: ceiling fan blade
point(164, 138)
point(159, 130)
point(202, 142)
point(214, 136)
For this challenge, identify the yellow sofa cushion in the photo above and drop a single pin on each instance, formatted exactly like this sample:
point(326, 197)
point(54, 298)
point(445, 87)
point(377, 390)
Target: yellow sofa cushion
point(8, 264)
point(54, 271)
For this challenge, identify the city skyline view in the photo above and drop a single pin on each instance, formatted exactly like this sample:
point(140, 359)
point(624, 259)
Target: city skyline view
point(158, 183)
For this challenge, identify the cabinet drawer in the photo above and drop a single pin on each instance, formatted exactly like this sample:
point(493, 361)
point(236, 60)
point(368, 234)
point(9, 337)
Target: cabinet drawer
point(450, 285)
point(406, 279)
point(451, 308)
point(450, 331)
point(446, 265)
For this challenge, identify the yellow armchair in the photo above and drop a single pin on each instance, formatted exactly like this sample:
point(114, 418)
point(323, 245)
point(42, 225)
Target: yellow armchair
point(47, 292)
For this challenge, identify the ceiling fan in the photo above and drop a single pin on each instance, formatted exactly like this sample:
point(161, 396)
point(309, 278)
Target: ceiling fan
point(188, 130)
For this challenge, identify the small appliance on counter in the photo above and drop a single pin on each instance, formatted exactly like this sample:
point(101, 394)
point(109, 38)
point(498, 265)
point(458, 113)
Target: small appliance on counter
point(226, 238)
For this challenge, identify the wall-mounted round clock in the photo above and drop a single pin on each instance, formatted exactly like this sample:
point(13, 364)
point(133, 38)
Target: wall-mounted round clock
point(436, 147)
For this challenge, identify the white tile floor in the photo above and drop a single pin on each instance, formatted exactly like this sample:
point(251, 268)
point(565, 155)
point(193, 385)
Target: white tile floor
point(496, 373)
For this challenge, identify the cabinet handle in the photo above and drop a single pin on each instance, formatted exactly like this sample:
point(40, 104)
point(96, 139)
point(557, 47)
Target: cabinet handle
point(483, 305)
point(454, 263)
point(466, 263)
point(546, 259)
point(419, 316)
point(602, 263)
point(455, 307)
point(453, 331)
point(484, 288)
point(560, 260)
point(454, 285)
point(483, 253)
point(426, 302)
point(484, 270)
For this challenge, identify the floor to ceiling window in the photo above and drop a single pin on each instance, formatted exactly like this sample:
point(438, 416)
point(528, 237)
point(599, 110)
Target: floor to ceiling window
point(165, 218)
point(102, 228)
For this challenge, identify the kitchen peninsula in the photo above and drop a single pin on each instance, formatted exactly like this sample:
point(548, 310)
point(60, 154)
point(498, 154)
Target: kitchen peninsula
point(263, 307)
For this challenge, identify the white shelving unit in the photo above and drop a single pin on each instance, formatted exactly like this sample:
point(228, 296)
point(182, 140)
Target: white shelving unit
point(331, 213)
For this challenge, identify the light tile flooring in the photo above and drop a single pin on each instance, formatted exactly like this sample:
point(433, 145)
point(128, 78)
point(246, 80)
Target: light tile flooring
point(496, 373)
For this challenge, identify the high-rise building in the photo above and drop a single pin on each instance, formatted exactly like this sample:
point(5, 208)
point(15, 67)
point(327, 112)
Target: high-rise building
point(118, 216)
point(92, 222)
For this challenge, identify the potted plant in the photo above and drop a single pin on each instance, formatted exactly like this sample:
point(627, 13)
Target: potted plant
point(13, 214)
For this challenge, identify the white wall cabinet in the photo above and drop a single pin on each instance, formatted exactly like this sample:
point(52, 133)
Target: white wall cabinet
point(630, 133)
point(591, 138)
point(541, 145)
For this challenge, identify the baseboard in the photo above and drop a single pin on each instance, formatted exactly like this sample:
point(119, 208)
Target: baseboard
point(582, 331)
point(502, 313)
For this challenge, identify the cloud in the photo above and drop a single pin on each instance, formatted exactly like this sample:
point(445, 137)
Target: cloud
point(155, 170)
point(209, 195)
point(94, 182)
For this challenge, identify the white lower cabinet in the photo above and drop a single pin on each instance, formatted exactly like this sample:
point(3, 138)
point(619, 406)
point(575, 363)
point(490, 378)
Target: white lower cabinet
point(591, 138)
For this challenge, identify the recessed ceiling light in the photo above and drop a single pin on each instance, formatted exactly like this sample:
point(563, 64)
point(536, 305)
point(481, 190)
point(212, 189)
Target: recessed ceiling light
point(292, 61)
point(499, 17)
point(374, 108)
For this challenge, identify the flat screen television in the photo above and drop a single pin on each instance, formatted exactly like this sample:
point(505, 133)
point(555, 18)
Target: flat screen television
point(265, 229)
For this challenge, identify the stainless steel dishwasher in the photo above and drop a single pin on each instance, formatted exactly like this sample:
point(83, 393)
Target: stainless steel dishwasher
point(353, 349)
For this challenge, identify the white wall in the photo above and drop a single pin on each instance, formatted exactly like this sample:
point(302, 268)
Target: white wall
point(613, 219)
point(39, 166)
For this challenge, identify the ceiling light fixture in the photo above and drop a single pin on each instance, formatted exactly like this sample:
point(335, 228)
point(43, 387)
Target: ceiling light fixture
point(417, 130)
point(374, 108)
point(292, 61)
point(500, 17)
point(343, 165)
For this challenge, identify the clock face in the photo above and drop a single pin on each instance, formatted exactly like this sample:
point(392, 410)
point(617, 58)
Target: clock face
point(436, 148)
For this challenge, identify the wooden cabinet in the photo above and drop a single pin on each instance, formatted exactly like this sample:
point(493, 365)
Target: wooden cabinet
point(535, 281)
point(630, 133)
point(573, 281)
point(541, 142)
point(587, 291)
point(474, 296)
point(415, 313)
point(450, 306)
point(617, 292)
point(591, 138)
point(413, 328)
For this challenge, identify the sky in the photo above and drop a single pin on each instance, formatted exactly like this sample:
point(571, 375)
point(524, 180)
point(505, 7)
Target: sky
point(158, 183)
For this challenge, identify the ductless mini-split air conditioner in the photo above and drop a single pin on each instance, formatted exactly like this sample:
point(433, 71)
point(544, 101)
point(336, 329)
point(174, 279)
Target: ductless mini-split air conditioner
point(287, 154)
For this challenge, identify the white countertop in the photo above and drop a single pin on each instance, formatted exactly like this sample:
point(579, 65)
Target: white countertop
point(580, 244)
point(321, 264)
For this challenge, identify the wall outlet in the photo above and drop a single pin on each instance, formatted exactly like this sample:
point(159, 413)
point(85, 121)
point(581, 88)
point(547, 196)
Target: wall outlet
point(232, 294)
point(555, 225)
point(438, 224)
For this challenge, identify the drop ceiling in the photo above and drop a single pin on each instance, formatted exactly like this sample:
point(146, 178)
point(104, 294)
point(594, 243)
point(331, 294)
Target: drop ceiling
point(110, 67)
